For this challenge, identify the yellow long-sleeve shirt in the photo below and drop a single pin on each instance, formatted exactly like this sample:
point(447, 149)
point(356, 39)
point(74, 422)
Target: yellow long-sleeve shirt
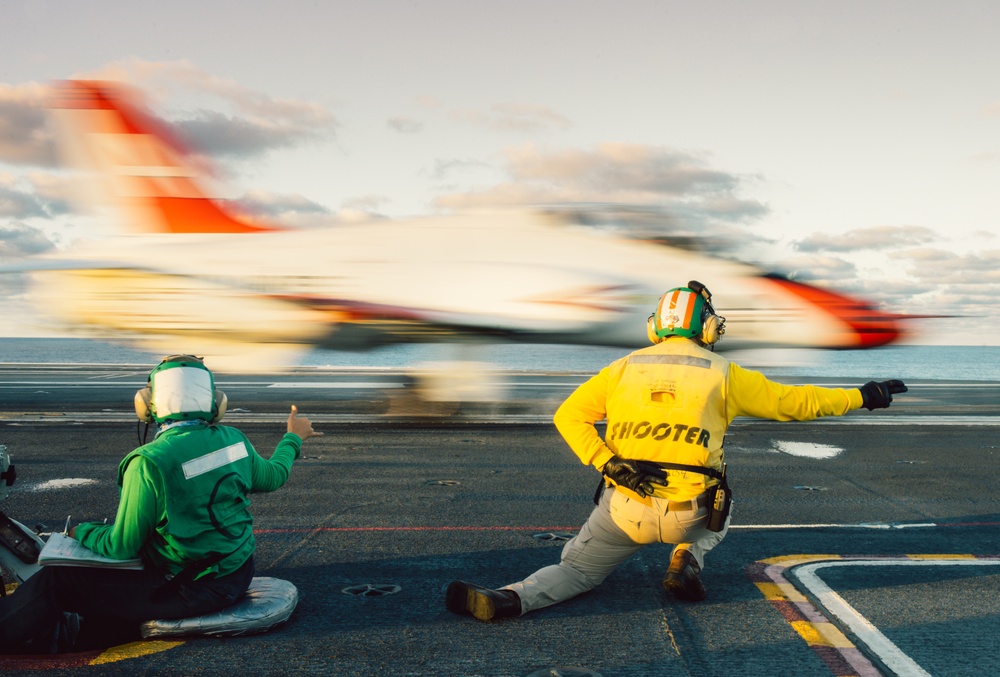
point(673, 401)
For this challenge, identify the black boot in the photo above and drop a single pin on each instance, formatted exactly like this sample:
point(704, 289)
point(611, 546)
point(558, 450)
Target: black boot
point(482, 603)
point(682, 578)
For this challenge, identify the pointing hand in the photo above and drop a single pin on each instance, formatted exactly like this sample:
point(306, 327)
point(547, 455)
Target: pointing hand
point(300, 425)
point(878, 394)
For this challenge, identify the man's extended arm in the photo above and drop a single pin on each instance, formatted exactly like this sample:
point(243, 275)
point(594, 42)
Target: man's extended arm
point(138, 511)
point(268, 474)
point(750, 393)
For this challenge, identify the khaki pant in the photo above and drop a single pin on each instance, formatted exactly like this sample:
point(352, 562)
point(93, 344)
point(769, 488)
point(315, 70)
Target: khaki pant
point(616, 529)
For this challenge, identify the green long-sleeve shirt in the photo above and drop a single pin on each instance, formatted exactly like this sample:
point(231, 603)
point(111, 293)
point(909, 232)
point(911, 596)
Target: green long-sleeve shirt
point(142, 509)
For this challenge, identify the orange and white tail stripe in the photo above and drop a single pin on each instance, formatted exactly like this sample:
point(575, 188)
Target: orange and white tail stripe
point(147, 171)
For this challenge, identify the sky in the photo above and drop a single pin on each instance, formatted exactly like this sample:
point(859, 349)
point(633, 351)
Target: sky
point(852, 145)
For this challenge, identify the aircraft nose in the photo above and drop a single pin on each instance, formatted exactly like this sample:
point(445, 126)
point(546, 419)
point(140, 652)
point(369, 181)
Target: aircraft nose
point(871, 327)
point(866, 326)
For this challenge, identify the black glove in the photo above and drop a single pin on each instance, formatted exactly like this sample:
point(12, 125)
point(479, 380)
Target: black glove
point(630, 474)
point(878, 394)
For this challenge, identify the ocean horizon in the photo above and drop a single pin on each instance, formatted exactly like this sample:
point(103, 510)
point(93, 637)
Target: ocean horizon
point(913, 362)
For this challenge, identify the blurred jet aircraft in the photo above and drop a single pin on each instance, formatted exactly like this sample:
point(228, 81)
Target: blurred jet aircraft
point(193, 275)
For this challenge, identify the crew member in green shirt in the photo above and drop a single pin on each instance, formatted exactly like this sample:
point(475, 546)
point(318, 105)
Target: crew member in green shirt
point(184, 510)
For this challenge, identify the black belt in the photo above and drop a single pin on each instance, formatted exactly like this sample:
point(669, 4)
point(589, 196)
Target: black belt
point(660, 469)
point(699, 501)
point(693, 504)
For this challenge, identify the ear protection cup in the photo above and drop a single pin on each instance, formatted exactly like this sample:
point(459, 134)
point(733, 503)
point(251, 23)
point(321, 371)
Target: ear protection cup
point(143, 405)
point(143, 401)
point(651, 330)
point(221, 401)
point(710, 327)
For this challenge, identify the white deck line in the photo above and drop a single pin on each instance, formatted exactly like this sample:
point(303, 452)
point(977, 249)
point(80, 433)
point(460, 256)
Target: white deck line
point(875, 642)
point(857, 525)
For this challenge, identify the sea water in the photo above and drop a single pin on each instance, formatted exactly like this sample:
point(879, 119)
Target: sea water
point(913, 362)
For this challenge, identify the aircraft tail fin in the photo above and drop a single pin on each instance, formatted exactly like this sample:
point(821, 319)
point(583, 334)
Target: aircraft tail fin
point(147, 170)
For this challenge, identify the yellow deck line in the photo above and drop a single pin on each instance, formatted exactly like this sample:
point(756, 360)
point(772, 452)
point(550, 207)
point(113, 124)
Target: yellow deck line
point(134, 650)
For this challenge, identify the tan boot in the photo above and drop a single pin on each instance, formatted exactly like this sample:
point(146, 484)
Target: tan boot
point(682, 579)
point(483, 603)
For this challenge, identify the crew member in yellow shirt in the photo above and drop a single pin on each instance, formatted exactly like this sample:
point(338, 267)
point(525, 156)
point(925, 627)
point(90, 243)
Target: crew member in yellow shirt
point(667, 408)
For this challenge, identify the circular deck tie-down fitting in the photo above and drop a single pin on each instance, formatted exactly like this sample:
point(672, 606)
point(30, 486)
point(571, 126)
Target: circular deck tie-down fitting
point(372, 589)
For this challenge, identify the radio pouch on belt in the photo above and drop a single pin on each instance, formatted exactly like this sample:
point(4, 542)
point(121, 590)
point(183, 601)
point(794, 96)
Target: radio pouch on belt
point(720, 499)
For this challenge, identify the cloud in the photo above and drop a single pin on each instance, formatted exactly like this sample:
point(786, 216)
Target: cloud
point(944, 267)
point(366, 203)
point(253, 122)
point(17, 203)
point(444, 168)
point(24, 137)
point(974, 304)
point(620, 166)
point(892, 294)
point(297, 211)
point(920, 277)
point(513, 118)
point(222, 135)
point(932, 281)
point(56, 192)
point(818, 268)
point(907, 279)
point(33, 196)
point(879, 237)
point(404, 125)
point(18, 240)
point(283, 208)
point(680, 183)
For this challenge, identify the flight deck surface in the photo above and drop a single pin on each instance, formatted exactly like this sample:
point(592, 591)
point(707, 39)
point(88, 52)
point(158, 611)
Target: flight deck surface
point(886, 520)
